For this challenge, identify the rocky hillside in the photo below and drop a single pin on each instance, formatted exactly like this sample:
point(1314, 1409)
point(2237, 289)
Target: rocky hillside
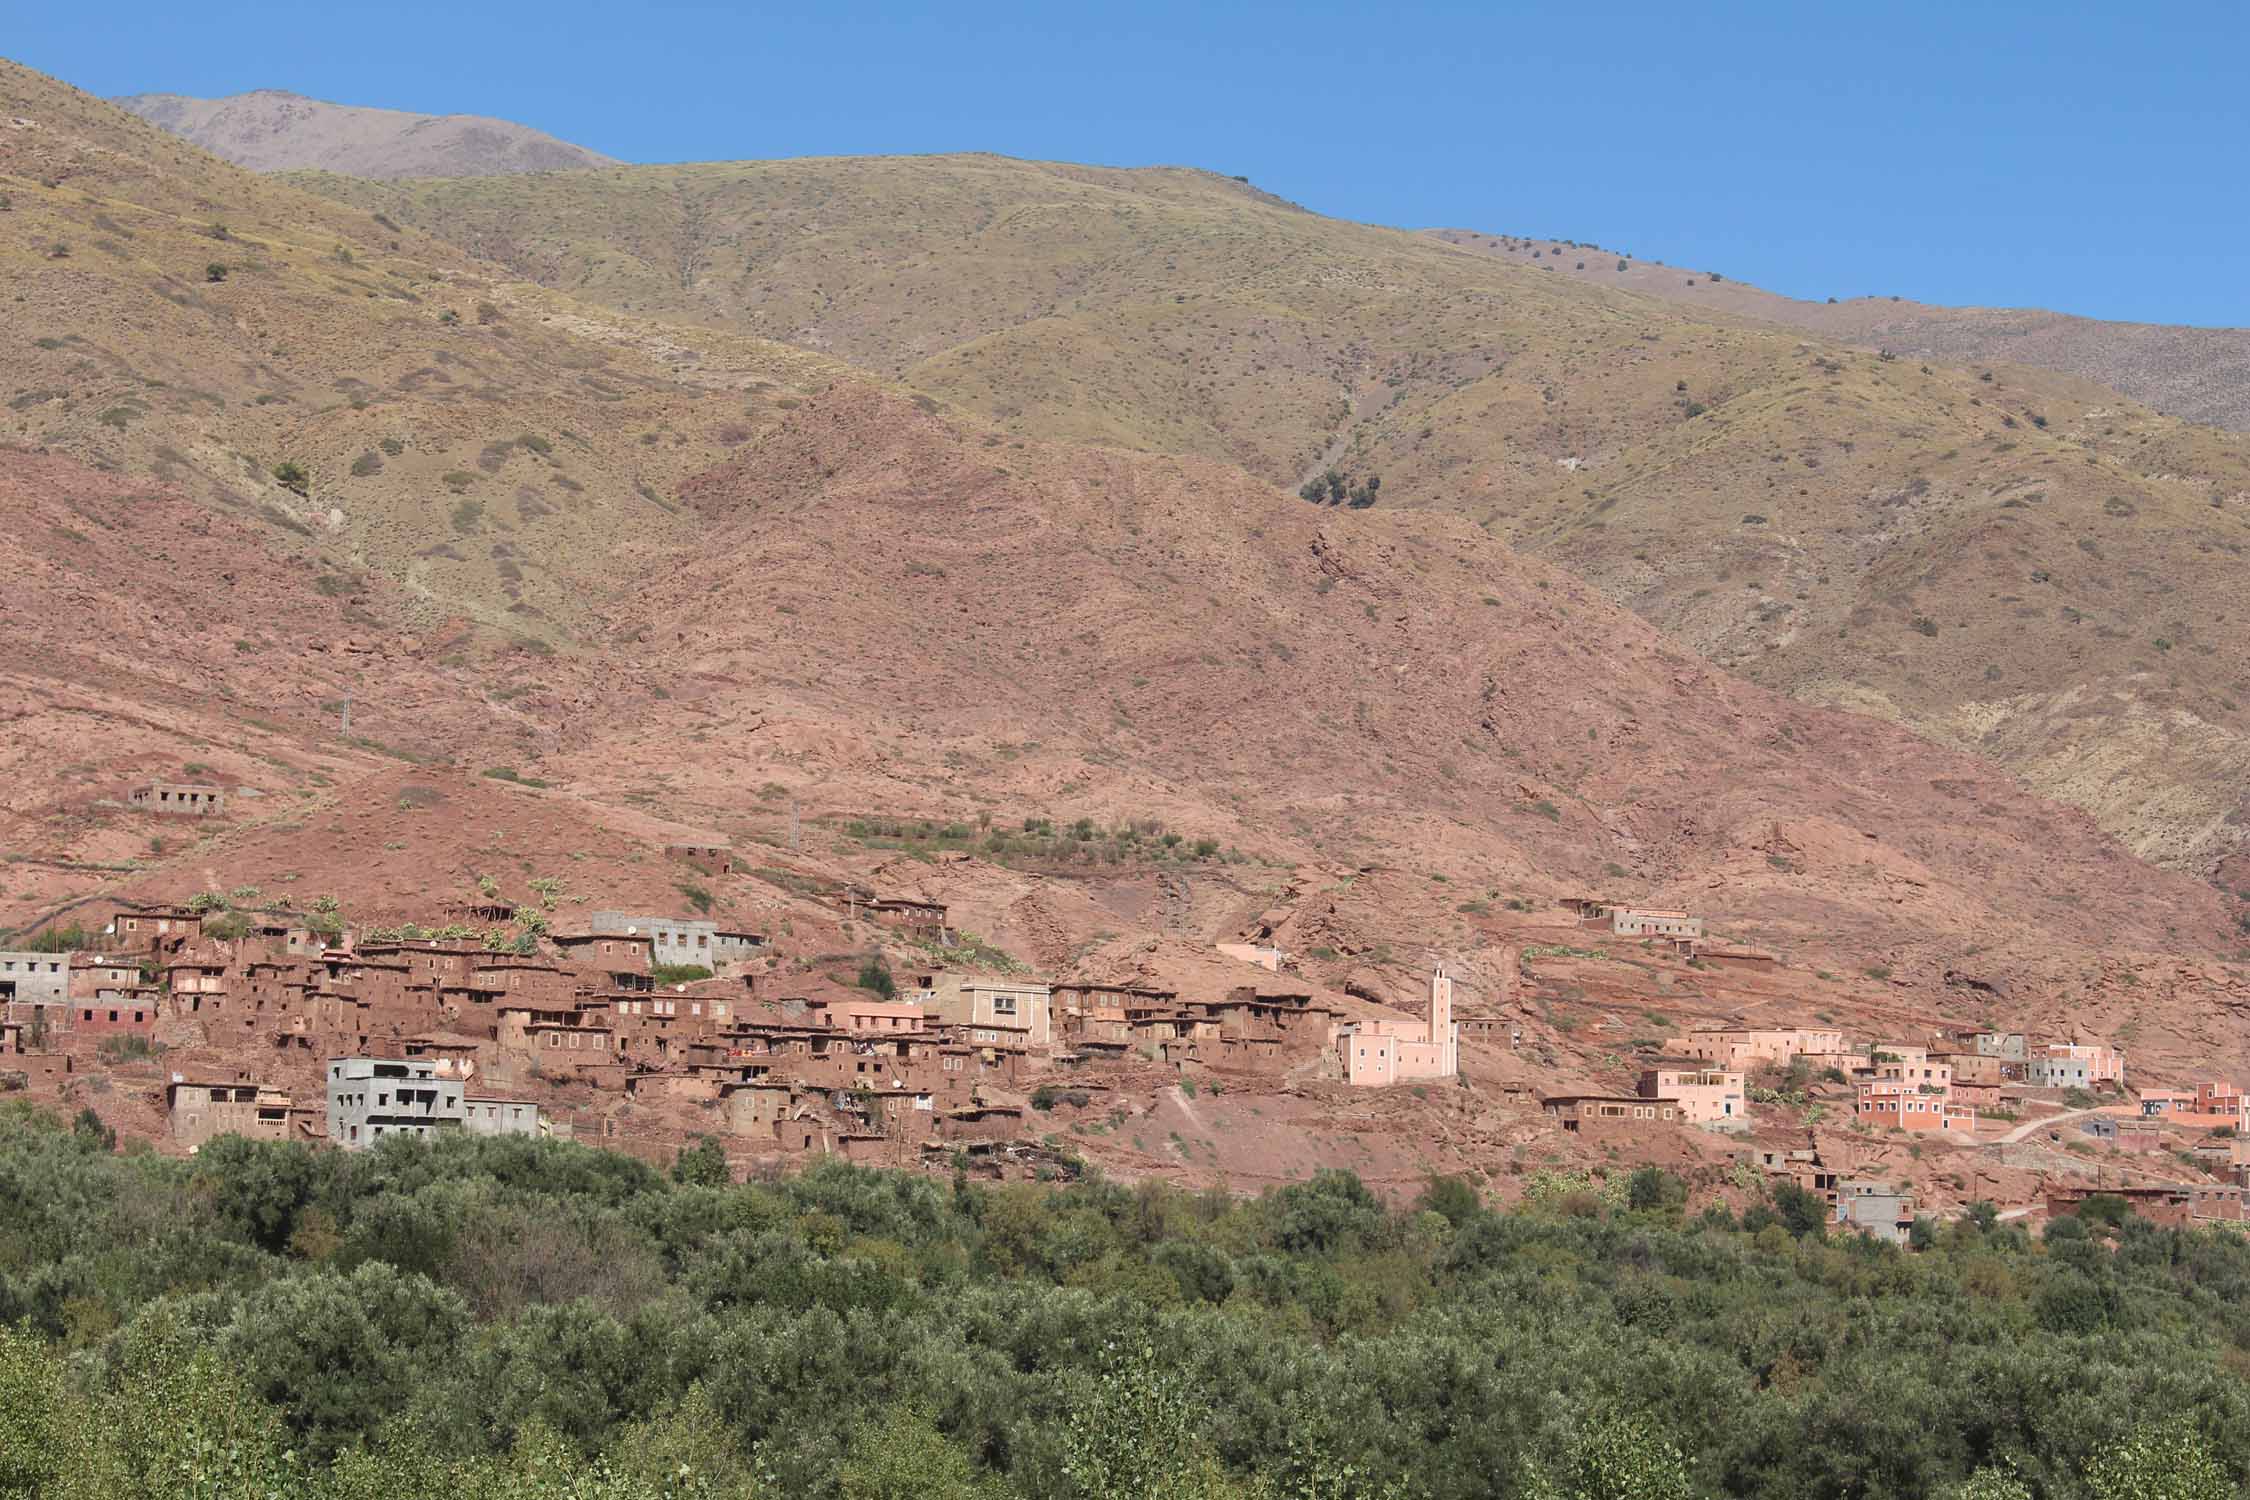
point(272, 130)
point(2201, 374)
point(2010, 560)
point(341, 378)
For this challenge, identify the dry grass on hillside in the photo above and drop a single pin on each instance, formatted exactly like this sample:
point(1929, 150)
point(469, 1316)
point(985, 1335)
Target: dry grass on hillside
point(1806, 512)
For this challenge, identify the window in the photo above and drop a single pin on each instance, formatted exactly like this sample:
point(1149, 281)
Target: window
point(1003, 1005)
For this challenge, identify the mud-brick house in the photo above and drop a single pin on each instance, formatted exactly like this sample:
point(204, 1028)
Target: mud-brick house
point(155, 928)
point(1079, 1003)
point(870, 1017)
point(187, 798)
point(196, 986)
point(17, 1055)
point(2174, 1205)
point(1638, 921)
point(682, 941)
point(609, 953)
point(1742, 1048)
point(921, 919)
point(982, 1122)
point(135, 1016)
point(1604, 1114)
point(993, 1009)
point(753, 1107)
point(556, 1039)
point(201, 1109)
point(523, 976)
point(712, 857)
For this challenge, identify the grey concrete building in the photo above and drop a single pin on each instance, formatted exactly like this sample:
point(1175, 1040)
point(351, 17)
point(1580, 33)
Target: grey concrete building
point(373, 1097)
point(34, 978)
point(2059, 1073)
point(684, 940)
point(370, 1098)
point(2008, 1046)
point(484, 1115)
point(1877, 1208)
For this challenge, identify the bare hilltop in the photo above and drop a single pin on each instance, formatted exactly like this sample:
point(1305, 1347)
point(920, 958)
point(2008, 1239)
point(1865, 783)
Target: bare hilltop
point(273, 130)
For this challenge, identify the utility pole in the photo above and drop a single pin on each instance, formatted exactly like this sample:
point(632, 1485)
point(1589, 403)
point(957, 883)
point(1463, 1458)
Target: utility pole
point(792, 825)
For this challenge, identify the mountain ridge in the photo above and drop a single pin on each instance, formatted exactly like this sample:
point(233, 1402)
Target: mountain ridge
point(275, 130)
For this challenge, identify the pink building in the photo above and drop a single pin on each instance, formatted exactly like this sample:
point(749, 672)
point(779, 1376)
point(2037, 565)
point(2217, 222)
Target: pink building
point(1918, 1072)
point(1706, 1096)
point(1895, 1104)
point(1264, 955)
point(1743, 1049)
point(875, 1016)
point(2083, 1065)
point(2218, 1099)
point(1376, 1054)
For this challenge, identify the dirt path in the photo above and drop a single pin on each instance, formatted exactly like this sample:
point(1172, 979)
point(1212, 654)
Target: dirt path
point(2028, 1127)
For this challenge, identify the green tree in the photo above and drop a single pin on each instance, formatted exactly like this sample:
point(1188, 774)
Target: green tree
point(343, 1353)
point(91, 1132)
point(1990, 1483)
point(703, 1164)
point(2159, 1461)
point(875, 975)
point(901, 1455)
point(30, 1443)
point(1138, 1435)
point(1452, 1197)
point(1616, 1456)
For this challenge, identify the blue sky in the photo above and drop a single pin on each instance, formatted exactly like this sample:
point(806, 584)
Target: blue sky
point(2063, 155)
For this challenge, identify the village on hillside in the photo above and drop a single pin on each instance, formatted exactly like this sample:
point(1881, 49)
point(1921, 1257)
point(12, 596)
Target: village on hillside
point(181, 1021)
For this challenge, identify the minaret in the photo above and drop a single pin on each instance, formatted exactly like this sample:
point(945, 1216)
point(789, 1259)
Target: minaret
point(1441, 1020)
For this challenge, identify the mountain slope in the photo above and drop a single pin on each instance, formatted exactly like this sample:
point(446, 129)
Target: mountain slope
point(272, 130)
point(2199, 374)
point(1150, 636)
point(486, 447)
point(1807, 513)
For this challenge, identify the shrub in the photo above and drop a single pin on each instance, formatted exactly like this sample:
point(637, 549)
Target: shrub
point(122, 1049)
point(678, 973)
point(215, 272)
point(875, 976)
point(291, 475)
